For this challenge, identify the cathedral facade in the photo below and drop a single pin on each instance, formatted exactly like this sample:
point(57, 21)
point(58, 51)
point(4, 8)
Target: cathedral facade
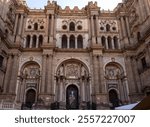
point(87, 58)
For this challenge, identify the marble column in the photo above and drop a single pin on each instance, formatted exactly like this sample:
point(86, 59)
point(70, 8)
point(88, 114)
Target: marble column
point(43, 82)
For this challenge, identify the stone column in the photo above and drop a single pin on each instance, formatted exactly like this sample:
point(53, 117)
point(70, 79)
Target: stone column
point(8, 74)
point(37, 42)
point(87, 90)
point(128, 27)
point(76, 42)
point(123, 27)
point(21, 24)
point(16, 24)
point(120, 28)
point(89, 26)
point(136, 75)
point(49, 83)
point(31, 38)
point(61, 90)
point(47, 29)
point(52, 25)
point(97, 26)
point(96, 74)
point(102, 82)
point(52, 29)
point(14, 74)
point(68, 43)
point(130, 77)
point(43, 82)
point(106, 42)
point(92, 26)
point(112, 43)
point(93, 30)
point(83, 89)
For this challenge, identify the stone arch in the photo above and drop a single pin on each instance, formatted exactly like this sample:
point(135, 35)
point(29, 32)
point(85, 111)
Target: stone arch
point(30, 79)
point(115, 69)
point(72, 60)
point(75, 72)
point(29, 63)
point(115, 78)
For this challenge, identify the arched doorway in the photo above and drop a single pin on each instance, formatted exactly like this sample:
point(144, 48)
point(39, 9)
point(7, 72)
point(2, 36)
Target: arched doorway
point(72, 97)
point(30, 98)
point(113, 98)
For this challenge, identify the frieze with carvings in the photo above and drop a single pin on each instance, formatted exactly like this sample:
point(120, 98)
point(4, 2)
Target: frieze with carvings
point(72, 71)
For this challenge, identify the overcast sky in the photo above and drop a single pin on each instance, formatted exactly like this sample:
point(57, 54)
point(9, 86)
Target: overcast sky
point(104, 4)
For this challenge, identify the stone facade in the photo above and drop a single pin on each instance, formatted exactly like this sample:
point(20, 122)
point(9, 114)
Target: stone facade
point(56, 58)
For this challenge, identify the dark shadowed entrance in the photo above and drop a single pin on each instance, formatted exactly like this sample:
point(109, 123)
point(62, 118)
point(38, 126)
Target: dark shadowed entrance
point(113, 98)
point(72, 99)
point(30, 98)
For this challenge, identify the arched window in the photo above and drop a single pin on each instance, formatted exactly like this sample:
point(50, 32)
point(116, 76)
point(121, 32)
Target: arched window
point(1, 60)
point(109, 43)
point(103, 39)
point(113, 98)
point(80, 41)
point(64, 41)
point(35, 26)
point(28, 41)
point(116, 42)
point(72, 26)
point(40, 40)
point(107, 27)
point(34, 41)
point(72, 41)
point(30, 98)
